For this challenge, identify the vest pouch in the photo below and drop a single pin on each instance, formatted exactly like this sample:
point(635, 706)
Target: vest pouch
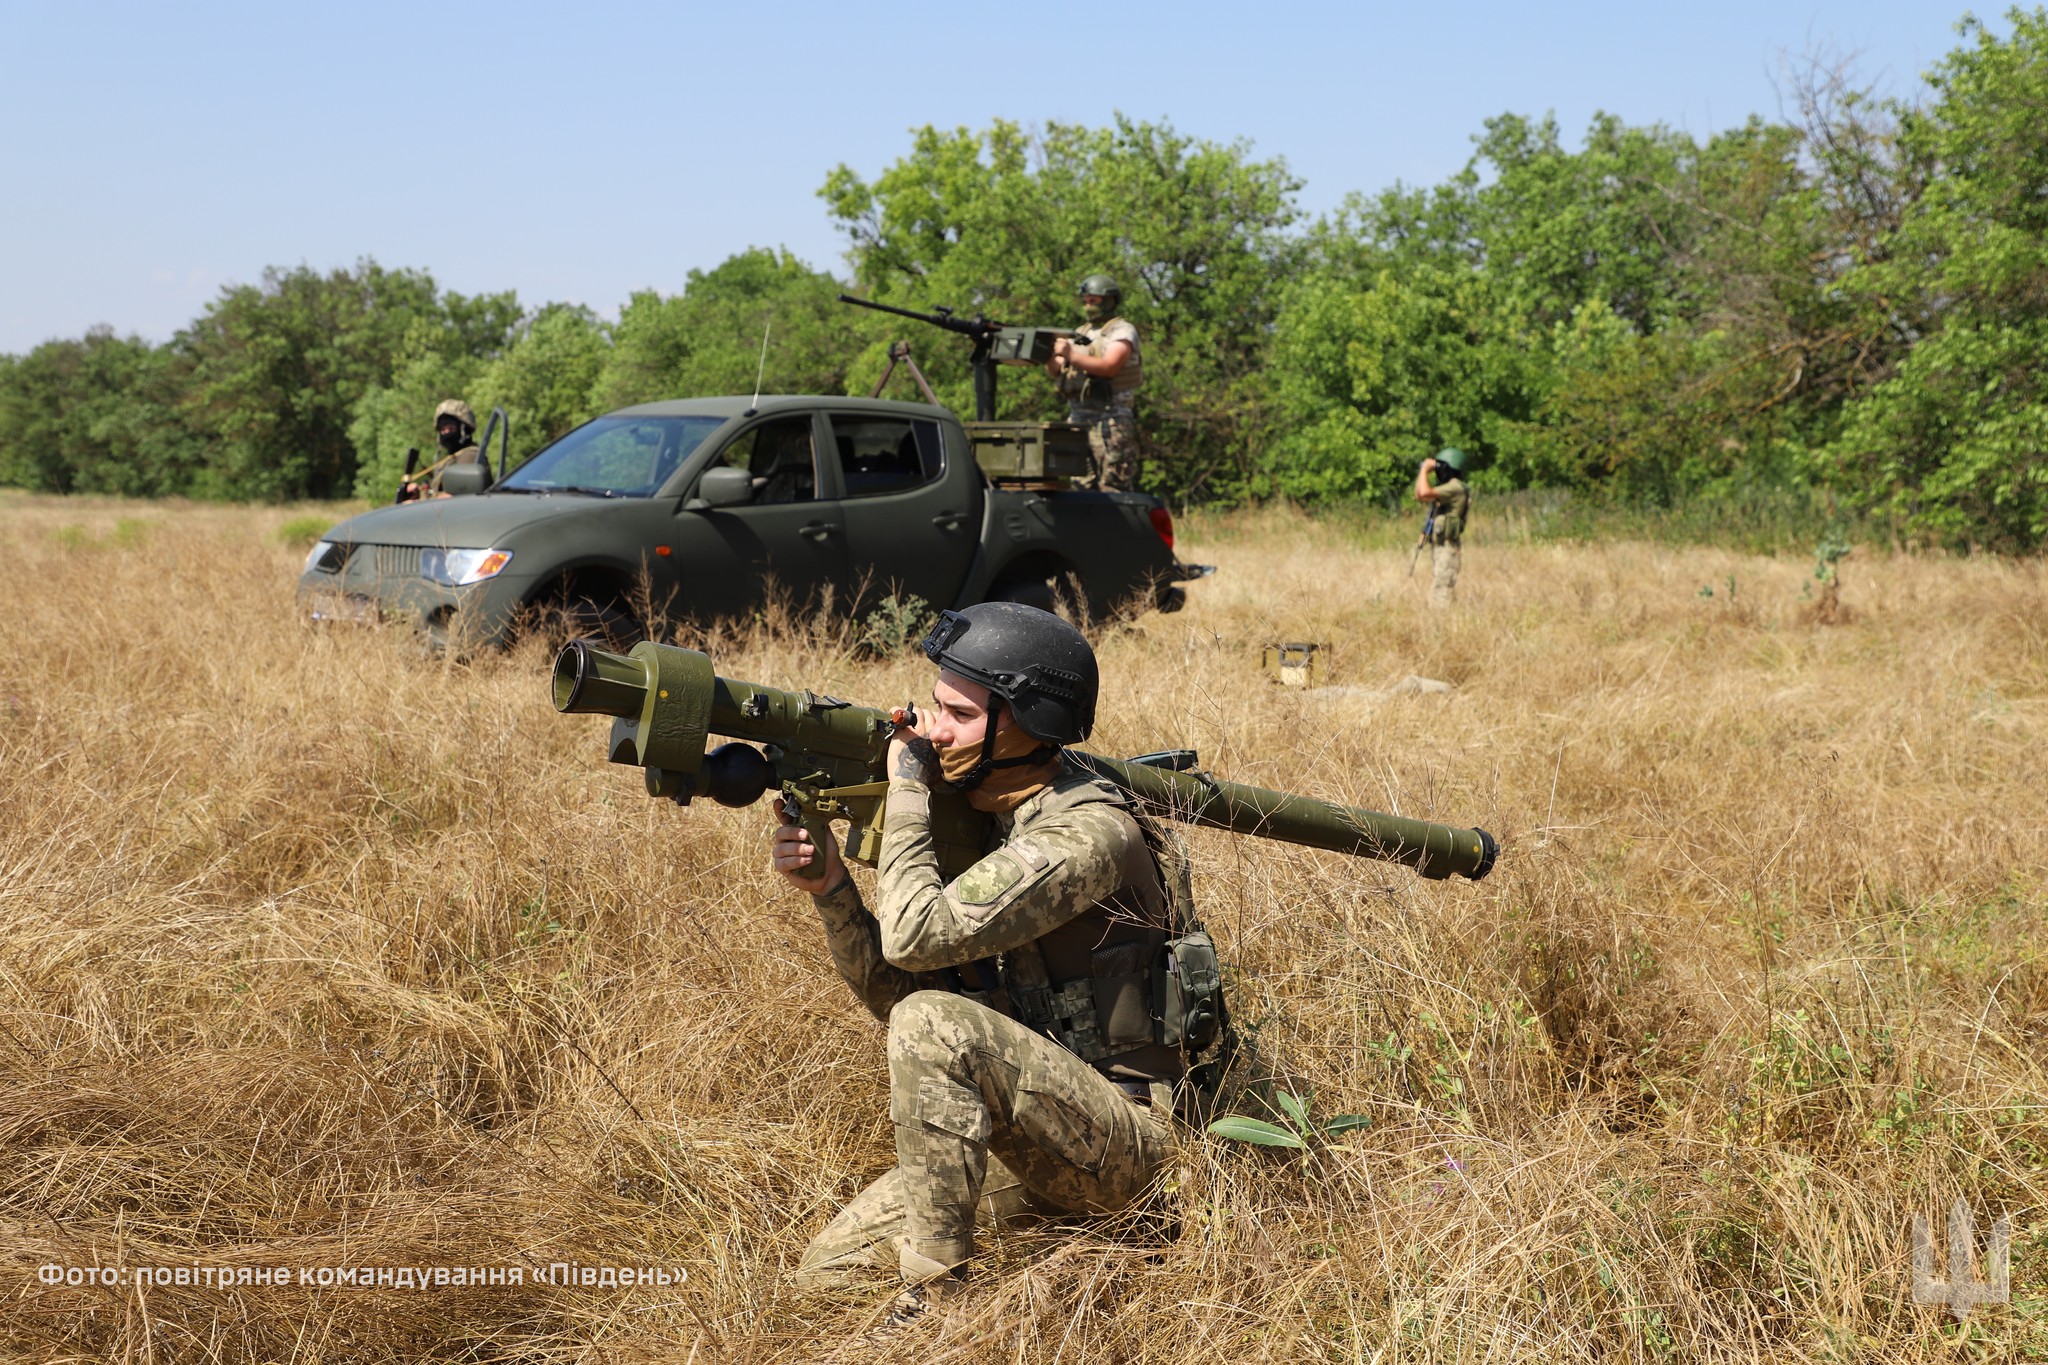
point(1188, 985)
point(1123, 996)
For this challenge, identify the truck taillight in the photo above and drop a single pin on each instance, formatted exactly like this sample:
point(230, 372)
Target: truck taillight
point(1162, 522)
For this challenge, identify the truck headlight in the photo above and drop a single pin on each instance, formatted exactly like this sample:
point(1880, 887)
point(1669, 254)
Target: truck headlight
point(458, 568)
point(327, 556)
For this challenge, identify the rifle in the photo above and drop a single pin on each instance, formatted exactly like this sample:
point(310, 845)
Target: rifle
point(404, 494)
point(825, 757)
point(1428, 526)
point(994, 344)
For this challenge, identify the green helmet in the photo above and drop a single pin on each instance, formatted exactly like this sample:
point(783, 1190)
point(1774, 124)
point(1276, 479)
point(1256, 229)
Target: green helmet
point(1112, 297)
point(1452, 458)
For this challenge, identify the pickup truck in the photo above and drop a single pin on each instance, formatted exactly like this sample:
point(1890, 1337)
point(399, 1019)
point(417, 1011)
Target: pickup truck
point(701, 508)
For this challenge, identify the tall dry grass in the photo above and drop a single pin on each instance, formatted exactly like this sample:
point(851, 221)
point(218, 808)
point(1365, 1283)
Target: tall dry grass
point(315, 952)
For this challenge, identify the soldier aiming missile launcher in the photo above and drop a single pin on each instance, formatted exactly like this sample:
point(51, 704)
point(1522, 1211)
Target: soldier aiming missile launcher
point(825, 757)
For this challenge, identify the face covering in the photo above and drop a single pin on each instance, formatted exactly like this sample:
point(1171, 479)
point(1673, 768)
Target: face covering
point(1096, 312)
point(452, 439)
point(1018, 767)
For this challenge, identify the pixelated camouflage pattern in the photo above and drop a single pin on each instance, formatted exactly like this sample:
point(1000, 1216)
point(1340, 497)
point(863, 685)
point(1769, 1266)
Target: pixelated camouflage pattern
point(1113, 440)
point(992, 1118)
point(1068, 849)
point(455, 407)
point(966, 1083)
point(866, 1234)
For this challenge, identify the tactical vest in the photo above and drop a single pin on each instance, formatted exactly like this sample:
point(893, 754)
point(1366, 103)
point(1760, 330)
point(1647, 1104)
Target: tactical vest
point(1119, 984)
point(1094, 391)
point(1453, 506)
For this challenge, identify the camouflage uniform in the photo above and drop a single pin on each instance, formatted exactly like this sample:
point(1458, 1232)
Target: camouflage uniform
point(1105, 406)
point(1453, 502)
point(468, 454)
point(991, 1116)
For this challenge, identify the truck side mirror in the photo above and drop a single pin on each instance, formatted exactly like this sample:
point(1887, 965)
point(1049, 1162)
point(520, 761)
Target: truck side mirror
point(723, 486)
point(461, 480)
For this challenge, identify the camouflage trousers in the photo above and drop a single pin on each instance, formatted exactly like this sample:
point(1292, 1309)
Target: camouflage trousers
point(1443, 567)
point(1113, 437)
point(992, 1121)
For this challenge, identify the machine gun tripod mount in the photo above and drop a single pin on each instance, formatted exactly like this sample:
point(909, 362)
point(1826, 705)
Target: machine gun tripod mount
point(994, 344)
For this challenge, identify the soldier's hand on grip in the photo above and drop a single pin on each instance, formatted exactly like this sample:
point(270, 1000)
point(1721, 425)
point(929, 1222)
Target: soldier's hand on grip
point(795, 849)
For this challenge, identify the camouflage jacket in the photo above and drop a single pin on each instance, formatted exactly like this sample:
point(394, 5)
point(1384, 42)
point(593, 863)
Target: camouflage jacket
point(1069, 893)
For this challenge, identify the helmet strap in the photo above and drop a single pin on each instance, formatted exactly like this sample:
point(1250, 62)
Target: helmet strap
point(987, 762)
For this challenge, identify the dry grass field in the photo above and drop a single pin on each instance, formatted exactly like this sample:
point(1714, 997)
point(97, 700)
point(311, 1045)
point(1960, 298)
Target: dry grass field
point(318, 953)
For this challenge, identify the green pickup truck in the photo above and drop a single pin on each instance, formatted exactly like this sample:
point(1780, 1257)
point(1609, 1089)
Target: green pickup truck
point(700, 508)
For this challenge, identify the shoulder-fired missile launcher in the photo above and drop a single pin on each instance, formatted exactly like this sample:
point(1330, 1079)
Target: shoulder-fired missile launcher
point(825, 757)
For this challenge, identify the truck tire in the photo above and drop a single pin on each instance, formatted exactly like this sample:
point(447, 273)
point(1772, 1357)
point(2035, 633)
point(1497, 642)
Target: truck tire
point(1058, 592)
point(602, 620)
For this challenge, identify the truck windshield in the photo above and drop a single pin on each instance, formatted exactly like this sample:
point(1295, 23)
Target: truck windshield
point(613, 457)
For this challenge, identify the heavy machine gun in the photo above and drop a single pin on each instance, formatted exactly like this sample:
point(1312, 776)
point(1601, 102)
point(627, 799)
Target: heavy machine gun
point(825, 757)
point(994, 344)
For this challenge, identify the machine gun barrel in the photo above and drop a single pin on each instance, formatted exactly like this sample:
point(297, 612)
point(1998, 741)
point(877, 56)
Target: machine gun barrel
point(828, 756)
point(969, 327)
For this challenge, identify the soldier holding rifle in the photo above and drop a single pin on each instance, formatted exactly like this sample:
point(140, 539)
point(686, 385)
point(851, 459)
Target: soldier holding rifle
point(455, 432)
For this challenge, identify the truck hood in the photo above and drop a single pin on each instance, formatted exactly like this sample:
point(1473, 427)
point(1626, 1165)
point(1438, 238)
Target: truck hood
point(479, 521)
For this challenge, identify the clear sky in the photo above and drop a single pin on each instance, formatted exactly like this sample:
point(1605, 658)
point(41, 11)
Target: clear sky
point(154, 152)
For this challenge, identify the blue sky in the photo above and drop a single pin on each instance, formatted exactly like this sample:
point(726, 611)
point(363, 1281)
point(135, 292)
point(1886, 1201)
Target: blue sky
point(155, 152)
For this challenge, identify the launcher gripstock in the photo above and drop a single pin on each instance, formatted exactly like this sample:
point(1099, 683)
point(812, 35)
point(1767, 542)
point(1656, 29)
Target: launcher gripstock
point(826, 757)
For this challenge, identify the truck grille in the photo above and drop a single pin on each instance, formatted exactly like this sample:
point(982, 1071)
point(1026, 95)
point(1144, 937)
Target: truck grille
point(393, 561)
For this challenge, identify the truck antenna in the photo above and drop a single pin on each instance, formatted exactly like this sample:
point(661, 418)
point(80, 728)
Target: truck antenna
point(759, 370)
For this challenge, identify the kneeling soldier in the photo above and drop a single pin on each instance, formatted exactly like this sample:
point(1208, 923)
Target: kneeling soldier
point(1027, 1071)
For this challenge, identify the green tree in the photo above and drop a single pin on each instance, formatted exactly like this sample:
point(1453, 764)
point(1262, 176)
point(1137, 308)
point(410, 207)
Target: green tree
point(1006, 222)
point(547, 379)
point(279, 367)
point(1950, 444)
point(708, 339)
point(98, 415)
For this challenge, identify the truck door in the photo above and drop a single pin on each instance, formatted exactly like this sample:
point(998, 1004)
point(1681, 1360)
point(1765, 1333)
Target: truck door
point(789, 535)
point(912, 524)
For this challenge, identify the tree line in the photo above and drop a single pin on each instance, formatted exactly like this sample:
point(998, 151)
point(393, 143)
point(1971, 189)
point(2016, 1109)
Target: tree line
point(1854, 298)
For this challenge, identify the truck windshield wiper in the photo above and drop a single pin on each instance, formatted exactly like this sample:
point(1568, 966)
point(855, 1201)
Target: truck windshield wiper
point(585, 491)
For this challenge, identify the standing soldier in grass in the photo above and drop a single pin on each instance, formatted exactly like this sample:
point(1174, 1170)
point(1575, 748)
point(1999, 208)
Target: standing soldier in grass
point(455, 433)
point(1099, 378)
point(1449, 501)
point(1026, 1068)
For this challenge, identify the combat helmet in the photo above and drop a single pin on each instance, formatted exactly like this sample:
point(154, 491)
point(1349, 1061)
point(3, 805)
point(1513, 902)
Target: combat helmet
point(1453, 458)
point(1039, 666)
point(1112, 297)
point(459, 410)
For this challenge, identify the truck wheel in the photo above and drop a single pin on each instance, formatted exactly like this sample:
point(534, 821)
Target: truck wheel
point(1059, 593)
point(607, 619)
point(1030, 592)
point(602, 619)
